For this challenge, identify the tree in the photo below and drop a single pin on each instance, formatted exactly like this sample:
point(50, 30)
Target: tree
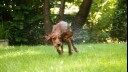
point(61, 11)
point(47, 22)
point(81, 16)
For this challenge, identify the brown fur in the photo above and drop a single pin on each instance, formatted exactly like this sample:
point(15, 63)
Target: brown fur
point(61, 33)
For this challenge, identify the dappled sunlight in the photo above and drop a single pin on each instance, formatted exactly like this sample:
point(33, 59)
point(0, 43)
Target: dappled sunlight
point(113, 4)
point(96, 16)
point(64, 66)
point(69, 9)
point(87, 65)
point(19, 53)
point(5, 47)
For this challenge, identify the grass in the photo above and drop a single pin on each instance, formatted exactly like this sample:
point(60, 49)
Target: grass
point(91, 58)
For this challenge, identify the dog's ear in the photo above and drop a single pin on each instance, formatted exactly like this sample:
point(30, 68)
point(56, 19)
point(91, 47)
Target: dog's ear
point(46, 37)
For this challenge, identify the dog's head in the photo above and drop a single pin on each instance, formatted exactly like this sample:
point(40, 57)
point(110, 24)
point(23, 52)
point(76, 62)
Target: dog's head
point(54, 38)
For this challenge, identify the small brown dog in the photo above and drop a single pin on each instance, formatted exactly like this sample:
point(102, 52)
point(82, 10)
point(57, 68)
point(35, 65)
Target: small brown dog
point(61, 33)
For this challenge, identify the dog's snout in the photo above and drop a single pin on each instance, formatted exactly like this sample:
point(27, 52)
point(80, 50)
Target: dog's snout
point(58, 44)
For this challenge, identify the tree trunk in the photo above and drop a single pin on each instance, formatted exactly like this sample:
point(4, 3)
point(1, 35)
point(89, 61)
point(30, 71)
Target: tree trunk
point(47, 21)
point(61, 11)
point(81, 16)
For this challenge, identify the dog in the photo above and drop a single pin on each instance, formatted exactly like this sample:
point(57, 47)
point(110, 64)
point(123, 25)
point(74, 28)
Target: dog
point(61, 33)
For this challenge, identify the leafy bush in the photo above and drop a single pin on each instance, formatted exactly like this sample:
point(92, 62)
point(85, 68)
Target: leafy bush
point(4, 31)
point(82, 36)
point(103, 36)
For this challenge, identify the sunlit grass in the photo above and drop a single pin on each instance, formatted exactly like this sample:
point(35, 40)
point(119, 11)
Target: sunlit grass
point(91, 58)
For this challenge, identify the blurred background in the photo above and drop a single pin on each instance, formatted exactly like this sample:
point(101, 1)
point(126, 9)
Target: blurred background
point(93, 21)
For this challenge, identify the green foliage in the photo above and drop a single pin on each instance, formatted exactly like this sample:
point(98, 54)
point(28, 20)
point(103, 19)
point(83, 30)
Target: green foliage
point(91, 58)
point(107, 19)
point(21, 21)
point(75, 2)
point(4, 32)
point(119, 21)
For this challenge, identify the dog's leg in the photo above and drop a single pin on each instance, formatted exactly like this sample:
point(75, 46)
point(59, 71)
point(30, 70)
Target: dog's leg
point(68, 41)
point(58, 50)
point(76, 50)
point(62, 48)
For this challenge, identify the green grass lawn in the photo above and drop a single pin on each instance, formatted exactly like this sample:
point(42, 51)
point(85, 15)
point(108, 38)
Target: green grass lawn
point(91, 58)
